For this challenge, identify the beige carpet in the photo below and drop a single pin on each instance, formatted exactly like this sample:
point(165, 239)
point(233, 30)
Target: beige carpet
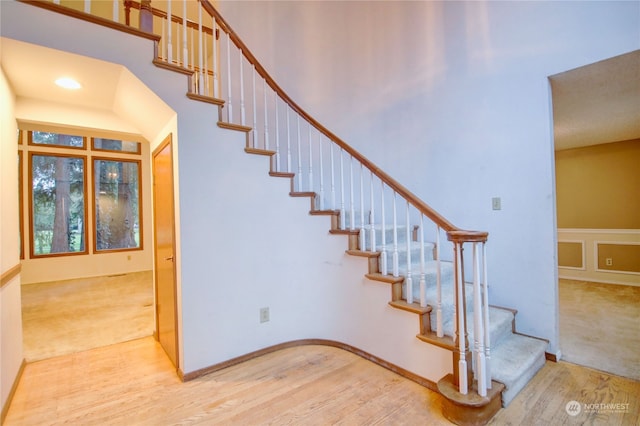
point(600, 326)
point(63, 317)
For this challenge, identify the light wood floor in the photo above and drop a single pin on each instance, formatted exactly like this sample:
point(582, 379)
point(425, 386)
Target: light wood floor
point(63, 317)
point(600, 326)
point(133, 383)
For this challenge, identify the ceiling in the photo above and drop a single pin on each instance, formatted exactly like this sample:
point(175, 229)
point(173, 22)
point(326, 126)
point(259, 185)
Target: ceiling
point(594, 104)
point(105, 106)
point(597, 103)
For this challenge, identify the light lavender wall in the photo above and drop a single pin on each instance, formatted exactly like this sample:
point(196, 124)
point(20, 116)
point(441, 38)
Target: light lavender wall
point(452, 99)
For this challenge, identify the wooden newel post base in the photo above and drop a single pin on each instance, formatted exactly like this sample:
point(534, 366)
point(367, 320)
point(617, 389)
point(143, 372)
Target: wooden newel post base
point(146, 16)
point(456, 369)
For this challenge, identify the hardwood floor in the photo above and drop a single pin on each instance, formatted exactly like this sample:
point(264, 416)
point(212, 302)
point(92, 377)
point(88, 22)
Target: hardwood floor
point(63, 317)
point(133, 383)
point(600, 326)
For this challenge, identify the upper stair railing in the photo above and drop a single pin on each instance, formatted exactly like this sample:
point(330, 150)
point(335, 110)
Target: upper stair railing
point(195, 39)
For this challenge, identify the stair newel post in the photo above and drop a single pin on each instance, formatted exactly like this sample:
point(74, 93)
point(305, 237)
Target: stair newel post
point(394, 261)
point(266, 115)
point(343, 213)
point(485, 305)
point(229, 97)
point(145, 18)
point(310, 159)
point(362, 235)
point(408, 279)
point(321, 165)
point(299, 175)
point(439, 329)
point(169, 34)
point(372, 215)
point(462, 372)
point(478, 324)
point(352, 210)
point(384, 269)
point(254, 130)
point(200, 53)
point(423, 282)
point(277, 130)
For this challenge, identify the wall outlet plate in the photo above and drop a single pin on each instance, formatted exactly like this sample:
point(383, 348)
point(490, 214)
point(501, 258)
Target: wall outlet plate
point(264, 314)
point(496, 203)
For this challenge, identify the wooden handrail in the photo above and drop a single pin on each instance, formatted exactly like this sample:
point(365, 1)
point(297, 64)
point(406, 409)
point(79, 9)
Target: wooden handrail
point(383, 176)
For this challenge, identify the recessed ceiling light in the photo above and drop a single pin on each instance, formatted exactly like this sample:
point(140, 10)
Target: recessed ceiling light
point(68, 83)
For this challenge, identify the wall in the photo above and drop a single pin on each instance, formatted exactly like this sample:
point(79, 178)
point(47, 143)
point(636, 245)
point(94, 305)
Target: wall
point(11, 355)
point(453, 100)
point(599, 211)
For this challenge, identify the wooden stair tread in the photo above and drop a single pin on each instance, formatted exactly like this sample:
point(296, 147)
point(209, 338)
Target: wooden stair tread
point(232, 126)
point(258, 151)
point(172, 67)
point(206, 99)
point(282, 174)
point(445, 342)
point(410, 307)
point(324, 212)
point(344, 231)
point(302, 194)
point(363, 253)
point(385, 278)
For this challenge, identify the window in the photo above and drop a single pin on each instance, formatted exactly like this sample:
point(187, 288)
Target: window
point(117, 206)
point(45, 138)
point(57, 204)
point(81, 195)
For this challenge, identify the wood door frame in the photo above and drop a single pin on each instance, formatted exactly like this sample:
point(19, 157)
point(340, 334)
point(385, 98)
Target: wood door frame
point(168, 141)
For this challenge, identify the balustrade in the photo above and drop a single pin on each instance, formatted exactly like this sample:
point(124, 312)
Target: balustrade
point(216, 49)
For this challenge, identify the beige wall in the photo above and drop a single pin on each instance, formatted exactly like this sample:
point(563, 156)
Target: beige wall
point(598, 187)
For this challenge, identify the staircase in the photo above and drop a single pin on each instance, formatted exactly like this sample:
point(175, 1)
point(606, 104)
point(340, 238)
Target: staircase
point(402, 238)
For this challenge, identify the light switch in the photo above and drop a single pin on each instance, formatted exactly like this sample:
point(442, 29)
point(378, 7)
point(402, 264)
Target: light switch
point(496, 203)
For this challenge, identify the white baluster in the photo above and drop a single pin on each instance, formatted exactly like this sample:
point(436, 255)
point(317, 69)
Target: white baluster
point(395, 265)
point(310, 160)
point(185, 47)
point(362, 231)
point(333, 178)
point(409, 279)
point(462, 362)
point(320, 160)
point(205, 71)
point(194, 80)
point(299, 176)
point(277, 125)
point(439, 330)
point(254, 131)
point(383, 235)
point(116, 11)
point(266, 115)
point(288, 141)
point(200, 53)
point(478, 335)
point(352, 209)
point(343, 213)
point(242, 109)
point(87, 6)
point(169, 35)
point(372, 215)
point(229, 102)
point(423, 281)
point(56, 1)
point(162, 40)
point(214, 58)
point(485, 303)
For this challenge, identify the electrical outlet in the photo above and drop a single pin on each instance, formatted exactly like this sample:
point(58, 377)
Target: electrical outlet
point(264, 314)
point(608, 261)
point(496, 203)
